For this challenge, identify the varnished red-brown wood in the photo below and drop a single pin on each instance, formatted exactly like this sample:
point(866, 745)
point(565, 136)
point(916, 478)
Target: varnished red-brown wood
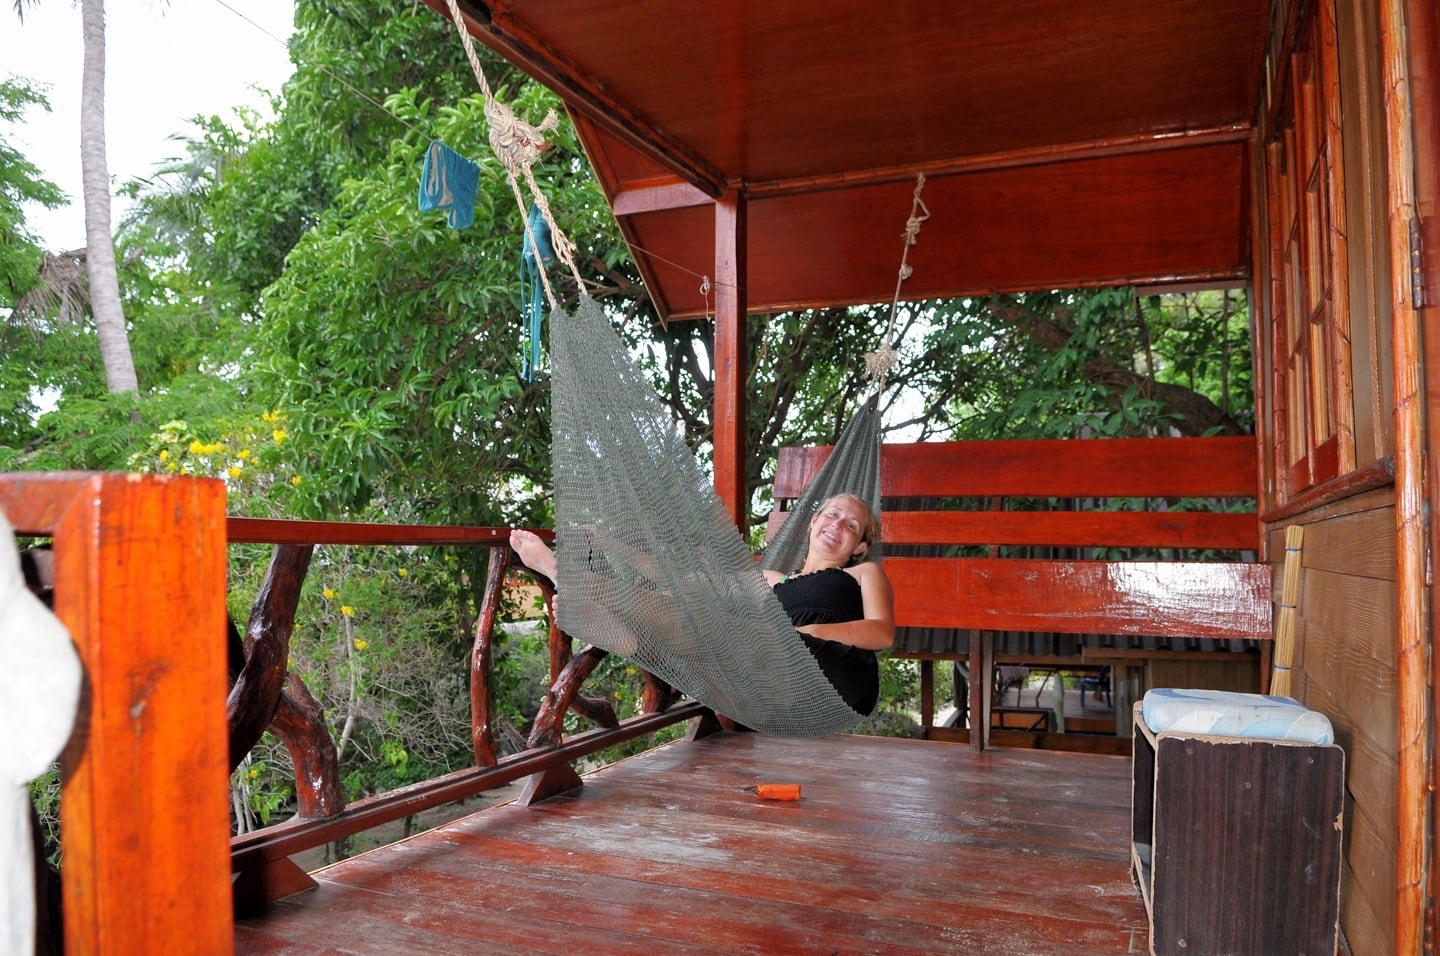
point(294, 531)
point(1153, 598)
point(1230, 531)
point(731, 291)
point(1221, 467)
point(260, 847)
point(140, 585)
point(251, 703)
point(895, 846)
point(482, 653)
point(300, 723)
point(563, 695)
point(1046, 168)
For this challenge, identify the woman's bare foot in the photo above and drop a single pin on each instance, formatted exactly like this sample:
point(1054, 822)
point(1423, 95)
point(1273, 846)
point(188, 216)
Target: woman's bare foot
point(534, 552)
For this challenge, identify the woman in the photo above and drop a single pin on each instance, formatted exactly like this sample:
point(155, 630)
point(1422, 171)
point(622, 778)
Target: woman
point(842, 606)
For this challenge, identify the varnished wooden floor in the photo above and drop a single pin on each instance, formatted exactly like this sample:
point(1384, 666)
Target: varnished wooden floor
point(898, 846)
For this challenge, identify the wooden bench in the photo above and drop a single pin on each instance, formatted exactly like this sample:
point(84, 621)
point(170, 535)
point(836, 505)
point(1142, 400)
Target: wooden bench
point(1081, 552)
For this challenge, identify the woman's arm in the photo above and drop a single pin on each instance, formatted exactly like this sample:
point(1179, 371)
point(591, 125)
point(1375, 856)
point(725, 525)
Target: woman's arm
point(876, 630)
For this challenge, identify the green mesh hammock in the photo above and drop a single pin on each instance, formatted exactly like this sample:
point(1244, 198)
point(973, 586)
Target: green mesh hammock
point(650, 565)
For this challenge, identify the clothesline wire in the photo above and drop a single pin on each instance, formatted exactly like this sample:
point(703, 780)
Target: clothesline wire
point(333, 75)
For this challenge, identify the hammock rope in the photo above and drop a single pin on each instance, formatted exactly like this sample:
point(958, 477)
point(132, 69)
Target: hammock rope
point(519, 145)
point(879, 362)
point(648, 560)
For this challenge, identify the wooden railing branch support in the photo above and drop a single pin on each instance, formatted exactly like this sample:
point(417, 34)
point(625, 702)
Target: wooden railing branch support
point(300, 723)
point(255, 694)
point(549, 722)
point(657, 696)
point(482, 655)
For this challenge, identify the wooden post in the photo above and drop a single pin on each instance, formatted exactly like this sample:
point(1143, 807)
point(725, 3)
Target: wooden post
point(1423, 23)
point(730, 346)
point(1410, 543)
point(140, 584)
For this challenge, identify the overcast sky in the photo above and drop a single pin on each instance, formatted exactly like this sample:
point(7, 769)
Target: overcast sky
point(165, 62)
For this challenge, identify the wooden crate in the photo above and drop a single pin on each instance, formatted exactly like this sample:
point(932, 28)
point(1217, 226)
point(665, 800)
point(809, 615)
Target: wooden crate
point(1236, 842)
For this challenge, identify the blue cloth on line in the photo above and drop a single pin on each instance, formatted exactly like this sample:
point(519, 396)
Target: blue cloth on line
point(449, 181)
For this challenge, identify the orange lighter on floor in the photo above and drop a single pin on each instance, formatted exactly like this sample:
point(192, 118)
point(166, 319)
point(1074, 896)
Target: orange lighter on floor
point(776, 791)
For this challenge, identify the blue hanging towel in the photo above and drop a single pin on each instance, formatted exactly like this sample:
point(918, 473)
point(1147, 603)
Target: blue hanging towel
point(536, 253)
point(449, 181)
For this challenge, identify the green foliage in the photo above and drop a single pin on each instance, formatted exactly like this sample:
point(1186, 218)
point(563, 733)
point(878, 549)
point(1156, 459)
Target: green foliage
point(21, 182)
point(1092, 363)
point(392, 342)
point(45, 796)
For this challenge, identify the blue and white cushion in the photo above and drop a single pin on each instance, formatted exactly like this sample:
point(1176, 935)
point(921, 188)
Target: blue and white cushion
point(1225, 713)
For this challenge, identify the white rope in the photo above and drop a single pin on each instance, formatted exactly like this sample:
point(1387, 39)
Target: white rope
point(879, 362)
point(519, 145)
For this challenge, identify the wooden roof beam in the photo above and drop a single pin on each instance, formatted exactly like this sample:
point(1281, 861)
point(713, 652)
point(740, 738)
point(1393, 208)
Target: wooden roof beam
point(657, 196)
point(1010, 159)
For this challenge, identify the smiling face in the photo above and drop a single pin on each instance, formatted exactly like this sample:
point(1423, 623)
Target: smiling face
point(840, 532)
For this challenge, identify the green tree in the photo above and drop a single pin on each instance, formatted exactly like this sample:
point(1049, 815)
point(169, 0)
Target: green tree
point(25, 336)
point(105, 299)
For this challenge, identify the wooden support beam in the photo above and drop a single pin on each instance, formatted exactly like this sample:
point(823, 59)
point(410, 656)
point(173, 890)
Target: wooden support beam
point(730, 347)
point(140, 584)
point(1413, 644)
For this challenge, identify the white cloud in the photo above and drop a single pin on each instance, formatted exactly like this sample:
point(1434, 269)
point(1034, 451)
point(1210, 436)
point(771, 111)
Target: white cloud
point(165, 62)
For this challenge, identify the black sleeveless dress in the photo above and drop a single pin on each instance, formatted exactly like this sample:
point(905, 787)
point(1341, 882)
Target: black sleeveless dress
point(832, 596)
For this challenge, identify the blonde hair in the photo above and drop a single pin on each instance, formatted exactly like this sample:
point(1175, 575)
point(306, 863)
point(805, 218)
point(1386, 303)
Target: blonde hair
point(869, 528)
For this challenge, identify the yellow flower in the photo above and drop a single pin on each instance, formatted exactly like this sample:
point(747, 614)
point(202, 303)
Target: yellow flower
point(254, 773)
point(279, 436)
point(234, 471)
point(328, 593)
point(243, 453)
point(267, 416)
point(196, 448)
point(361, 643)
point(295, 481)
point(164, 454)
point(172, 467)
point(347, 610)
point(213, 447)
point(403, 573)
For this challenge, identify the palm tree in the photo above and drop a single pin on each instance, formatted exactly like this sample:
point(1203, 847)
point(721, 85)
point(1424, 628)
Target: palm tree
point(95, 178)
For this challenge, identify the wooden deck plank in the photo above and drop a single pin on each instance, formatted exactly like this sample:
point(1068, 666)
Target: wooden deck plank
point(897, 846)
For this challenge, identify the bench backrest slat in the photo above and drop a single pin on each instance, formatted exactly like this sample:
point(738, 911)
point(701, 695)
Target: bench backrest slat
point(1228, 600)
point(1084, 468)
point(1072, 529)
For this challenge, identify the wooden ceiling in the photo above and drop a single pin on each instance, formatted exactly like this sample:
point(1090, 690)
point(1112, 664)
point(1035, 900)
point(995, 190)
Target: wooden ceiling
point(1065, 142)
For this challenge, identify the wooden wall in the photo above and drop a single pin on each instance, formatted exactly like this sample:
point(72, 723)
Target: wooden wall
point(1346, 640)
point(1345, 655)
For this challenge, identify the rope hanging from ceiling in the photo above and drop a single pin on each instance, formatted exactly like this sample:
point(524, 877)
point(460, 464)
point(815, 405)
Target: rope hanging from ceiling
point(649, 563)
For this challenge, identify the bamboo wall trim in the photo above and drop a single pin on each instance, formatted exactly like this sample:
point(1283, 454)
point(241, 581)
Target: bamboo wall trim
point(1289, 600)
point(1411, 634)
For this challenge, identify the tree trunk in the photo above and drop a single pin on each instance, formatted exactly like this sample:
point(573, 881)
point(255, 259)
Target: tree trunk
point(100, 243)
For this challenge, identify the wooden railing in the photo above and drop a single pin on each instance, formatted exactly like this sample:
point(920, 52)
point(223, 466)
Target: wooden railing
point(140, 581)
point(264, 695)
point(1003, 559)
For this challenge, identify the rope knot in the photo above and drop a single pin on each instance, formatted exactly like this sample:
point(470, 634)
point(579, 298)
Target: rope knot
point(518, 144)
point(879, 362)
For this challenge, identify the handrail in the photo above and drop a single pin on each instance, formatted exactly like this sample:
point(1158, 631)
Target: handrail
point(292, 836)
point(260, 857)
